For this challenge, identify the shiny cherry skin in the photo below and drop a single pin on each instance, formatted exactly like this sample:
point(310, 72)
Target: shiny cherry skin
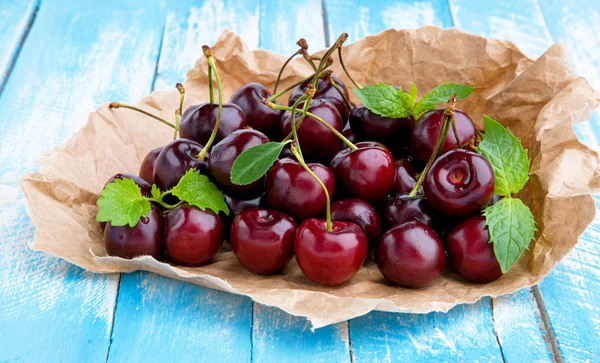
point(360, 213)
point(329, 258)
point(263, 240)
point(428, 127)
point(259, 116)
point(406, 177)
point(176, 158)
point(224, 154)
point(143, 239)
point(389, 131)
point(366, 173)
point(348, 134)
point(326, 91)
point(410, 255)
point(459, 183)
point(402, 208)
point(192, 236)
point(471, 253)
point(198, 121)
point(238, 205)
point(147, 167)
point(317, 141)
point(145, 187)
point(292, 190)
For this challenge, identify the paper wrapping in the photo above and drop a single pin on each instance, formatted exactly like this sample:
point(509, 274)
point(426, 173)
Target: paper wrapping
point(538, 100)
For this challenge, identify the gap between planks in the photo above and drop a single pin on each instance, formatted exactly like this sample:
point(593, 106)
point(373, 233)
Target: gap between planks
point(545, 326)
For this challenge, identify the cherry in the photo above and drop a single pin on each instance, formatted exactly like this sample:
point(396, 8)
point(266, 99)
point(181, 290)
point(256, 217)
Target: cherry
point(459, 183)
point(410, 255)
point(263, 240)
point(471, 253)
point(224, 154)
point(145, 187)
point(292, 190)
point(389, 131)
point(427, 130)
point(406, 178)
point(360, 213)
point(318, 142)
point(259, 116)
point(143, 239)
point(325, 91)
point(366, 173)
point(347, 132)
point(329, 258)
point(198, 121)
point(147, 167)
point(176, 158)
point(237, 206)
point(192, 237)
point(402, 208)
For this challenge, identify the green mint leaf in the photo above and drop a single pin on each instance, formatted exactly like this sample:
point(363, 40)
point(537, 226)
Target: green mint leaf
point(253, 163)
point(155, 192)
point(413, 91)
point(408, 101)
point(441, 94)
point(121, 202)
point(383, 100)
point(197, 190)
point(507, 157)
point(512, 227)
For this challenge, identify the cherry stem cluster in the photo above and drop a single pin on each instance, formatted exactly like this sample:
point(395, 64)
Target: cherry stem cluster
point(329, 74)
point(211, 62)
point(123, 105)
point(162, 203)
point(448, 119)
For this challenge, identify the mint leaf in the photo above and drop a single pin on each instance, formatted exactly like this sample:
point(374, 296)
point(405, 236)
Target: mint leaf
point(408, 101)
point(253, 163)
point(155, 192)
point(507, 157)
point(441, 94)
point(413, 91)
point(512, 227)
point(197, 190)
point(383, 100)
point(121, 202)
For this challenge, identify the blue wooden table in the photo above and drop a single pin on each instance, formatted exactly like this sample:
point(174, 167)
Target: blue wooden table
point(60, 59)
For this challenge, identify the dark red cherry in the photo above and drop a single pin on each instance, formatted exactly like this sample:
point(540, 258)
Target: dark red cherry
point(145, 187)
point(360, 213)
point(366, 173)
point(459, 183)
point(198, 121)
point(258, 115)
point(292, 190)
point(176, 158)
point(238, 205)
point(224, 154)
point(402, 208)
point(410, 255)
point(329, 258)
point(317, 141)
point(406, 178)
point(471, 253)
point(263, 240)
point(427, 130)
point(326, 91)
point(143, 239)
point(286, 152)
point(147, 167)
point(393, 132)
point(192, 237)
point(347, 132)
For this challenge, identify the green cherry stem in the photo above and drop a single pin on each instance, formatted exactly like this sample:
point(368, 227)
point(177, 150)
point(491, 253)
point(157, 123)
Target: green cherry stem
point(329, 75)
point(293, 120)
point(211, 62)
point(210, 86)
point(123, 105)
point(346, 70)
point(179, 111)
point(309, 59)
point(448, 114)
point(454, 130)
point(281, 93)
point(325, 59)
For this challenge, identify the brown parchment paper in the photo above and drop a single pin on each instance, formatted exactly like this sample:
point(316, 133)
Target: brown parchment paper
point(539, 100)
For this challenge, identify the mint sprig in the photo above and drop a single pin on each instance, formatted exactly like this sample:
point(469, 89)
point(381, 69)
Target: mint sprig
point(199, 191)
point(254, 162)
point(441, 94)
point(122, 203)
point(510, 222)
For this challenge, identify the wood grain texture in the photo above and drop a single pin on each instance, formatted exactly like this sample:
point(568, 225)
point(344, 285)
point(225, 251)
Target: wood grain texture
point(16, 17)
point(74, 59)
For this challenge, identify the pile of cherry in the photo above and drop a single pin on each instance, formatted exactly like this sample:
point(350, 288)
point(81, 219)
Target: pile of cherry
point(346, 185)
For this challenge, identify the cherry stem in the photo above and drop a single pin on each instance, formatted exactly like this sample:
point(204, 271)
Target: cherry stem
point(179, 111)
point(324, 60)
point(329, 74)
point(448, 114)
point(281, 93)
point(294, 126)
point(481, 134)
point(210, 85)
point(123, 105)
point(309, 59)
point(213, 135)
point(454, 130)
point(346, 70)
point(162, 203)
point(283, 67)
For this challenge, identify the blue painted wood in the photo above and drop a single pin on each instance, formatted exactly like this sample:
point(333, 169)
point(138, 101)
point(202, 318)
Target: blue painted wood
point(15, 19)
point(76, 57)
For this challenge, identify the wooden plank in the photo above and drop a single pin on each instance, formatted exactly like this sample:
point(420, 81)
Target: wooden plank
point(154, 309)
point(76, 57)
point(367, 17)
point(16, 17)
